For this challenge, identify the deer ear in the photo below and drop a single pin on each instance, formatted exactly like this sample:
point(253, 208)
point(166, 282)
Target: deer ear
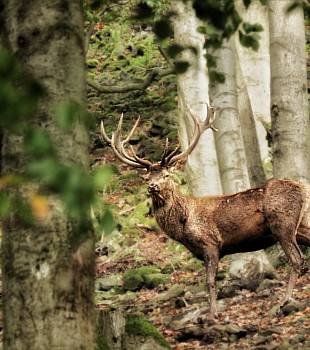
point(145, 175)
point(172, 169)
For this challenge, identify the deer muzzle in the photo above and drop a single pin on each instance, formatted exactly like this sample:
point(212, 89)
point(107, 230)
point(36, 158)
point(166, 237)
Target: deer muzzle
point(153, 188)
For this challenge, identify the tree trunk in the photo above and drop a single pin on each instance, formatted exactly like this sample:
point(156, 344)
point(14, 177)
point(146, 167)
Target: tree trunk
point(228, 139)
point(255, 71)
point(289, 104)
point(231, 154)
point(202, 167)
point(249, 134)
point(48, 269)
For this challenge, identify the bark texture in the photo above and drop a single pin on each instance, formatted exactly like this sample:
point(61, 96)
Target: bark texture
point(255, 70)
point(289, 104)
point(202, 167)
point(249, 132)
point(48, 269)
point(228, 139)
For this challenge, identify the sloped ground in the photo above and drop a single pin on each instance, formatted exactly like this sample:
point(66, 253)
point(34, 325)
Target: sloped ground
point(179, 307)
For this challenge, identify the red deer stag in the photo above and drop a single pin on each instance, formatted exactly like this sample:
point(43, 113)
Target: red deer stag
point(211, 227)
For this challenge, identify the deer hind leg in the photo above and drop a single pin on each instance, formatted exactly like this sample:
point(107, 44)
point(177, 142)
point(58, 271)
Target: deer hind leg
point(297, 261)
point(285, 207)
point(211, 259)
point(286, 234)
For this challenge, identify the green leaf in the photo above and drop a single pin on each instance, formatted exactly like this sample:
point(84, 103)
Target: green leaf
point(143, 11)
point(163, 28)
point(202, 30)
point(248, 40)
point(66, 115)
point(211, 61)
point(48, 171)
point(216, 77)
point(37, 143)
point(107, 223)
point(102, 176)
point(174, 49)
point(247, 3)
point(249, 28)
point(181, 66)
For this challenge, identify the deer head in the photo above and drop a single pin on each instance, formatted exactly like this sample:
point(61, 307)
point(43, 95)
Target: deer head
point(158, 173)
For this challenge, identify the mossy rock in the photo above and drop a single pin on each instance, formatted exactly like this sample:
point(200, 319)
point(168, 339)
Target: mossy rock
point(135, 279)
point(153, 280)
point(139, 326)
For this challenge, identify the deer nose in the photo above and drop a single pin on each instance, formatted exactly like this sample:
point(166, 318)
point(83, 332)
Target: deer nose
point(153, 187)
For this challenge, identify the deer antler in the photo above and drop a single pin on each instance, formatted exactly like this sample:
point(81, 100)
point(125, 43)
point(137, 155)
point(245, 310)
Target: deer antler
point(168, 158)
point(199, 128)
point(118, 145)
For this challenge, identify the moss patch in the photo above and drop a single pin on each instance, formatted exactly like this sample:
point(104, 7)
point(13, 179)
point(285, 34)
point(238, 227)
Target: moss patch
point(137, 325)
point(153, 280)
point(135, 278)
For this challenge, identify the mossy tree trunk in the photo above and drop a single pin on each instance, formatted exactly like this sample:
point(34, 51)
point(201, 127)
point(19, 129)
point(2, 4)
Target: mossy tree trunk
point(48, 269)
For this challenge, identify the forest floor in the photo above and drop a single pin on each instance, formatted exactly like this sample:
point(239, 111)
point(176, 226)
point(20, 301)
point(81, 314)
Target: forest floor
point(178, 307)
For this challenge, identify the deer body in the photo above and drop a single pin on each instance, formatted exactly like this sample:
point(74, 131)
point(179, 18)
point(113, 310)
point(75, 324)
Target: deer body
point(211, 227)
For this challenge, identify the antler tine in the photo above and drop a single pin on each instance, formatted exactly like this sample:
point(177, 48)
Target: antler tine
point(119, 146)
point(103, 134)
point(198, 130)
point(132, 131)
point(208, 123)
point(173, 153)
point(163, 158)
point(111, 142)
point(140, 160)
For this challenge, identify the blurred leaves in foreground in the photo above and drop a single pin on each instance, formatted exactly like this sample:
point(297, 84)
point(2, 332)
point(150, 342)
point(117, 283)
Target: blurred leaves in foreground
point(74, 185)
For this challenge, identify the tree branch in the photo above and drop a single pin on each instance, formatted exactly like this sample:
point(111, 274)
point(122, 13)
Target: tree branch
point(112, 89)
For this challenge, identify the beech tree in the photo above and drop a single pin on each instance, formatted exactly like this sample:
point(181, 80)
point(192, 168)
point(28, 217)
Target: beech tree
point(228, 139)
point(193, 90)
point(48, 265)
point(289, 101)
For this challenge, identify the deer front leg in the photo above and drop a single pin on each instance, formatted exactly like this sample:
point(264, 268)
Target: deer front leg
point(211, 260)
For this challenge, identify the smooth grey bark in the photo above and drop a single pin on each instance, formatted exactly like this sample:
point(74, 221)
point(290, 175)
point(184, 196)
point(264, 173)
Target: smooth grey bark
point(48, 269)
point(289, 103)
point(255, 70)
point(249, 132)
point(228, 139)
point(230, 149)
point(201, 167)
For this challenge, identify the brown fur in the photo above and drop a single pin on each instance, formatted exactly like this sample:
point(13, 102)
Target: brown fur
point(211, 227)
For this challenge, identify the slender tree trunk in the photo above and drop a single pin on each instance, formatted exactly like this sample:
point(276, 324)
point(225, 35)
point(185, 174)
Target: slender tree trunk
point(250, 140)
point(289, 104)
point(202, 167)
point(231, 153)
point(48, 269)
point(228, 139)
point(255, 71)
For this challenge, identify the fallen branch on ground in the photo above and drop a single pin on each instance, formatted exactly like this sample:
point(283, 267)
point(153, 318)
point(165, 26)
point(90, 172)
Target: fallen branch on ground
point(110, 89)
